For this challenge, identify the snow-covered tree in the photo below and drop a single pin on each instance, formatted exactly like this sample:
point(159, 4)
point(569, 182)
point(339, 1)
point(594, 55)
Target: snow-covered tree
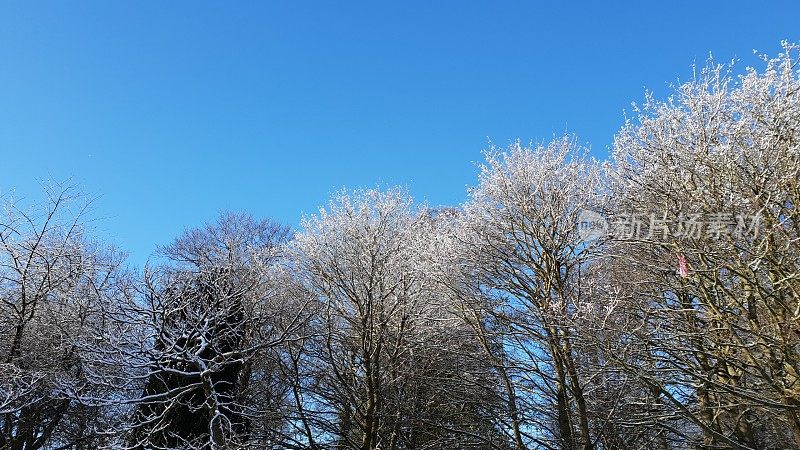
point(197, 342)
point(391, 351)
point(712, 277)
point(54, 286)
point(521, 245)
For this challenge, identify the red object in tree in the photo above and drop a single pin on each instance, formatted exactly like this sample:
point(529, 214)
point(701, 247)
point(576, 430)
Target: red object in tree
point(683, 268)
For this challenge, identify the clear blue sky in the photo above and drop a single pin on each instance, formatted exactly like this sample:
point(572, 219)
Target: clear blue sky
point(174, 111)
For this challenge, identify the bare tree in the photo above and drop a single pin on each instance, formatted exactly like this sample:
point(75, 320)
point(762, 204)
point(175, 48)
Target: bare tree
point(712, 279)
point(520, 243)
point(54, 284)
point(391, 355)
point(206, 322)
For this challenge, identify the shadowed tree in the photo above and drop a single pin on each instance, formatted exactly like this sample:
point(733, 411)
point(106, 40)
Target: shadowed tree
point(211, 315)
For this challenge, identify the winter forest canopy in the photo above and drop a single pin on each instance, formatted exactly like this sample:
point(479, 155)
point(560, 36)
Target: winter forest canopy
point(648, 301)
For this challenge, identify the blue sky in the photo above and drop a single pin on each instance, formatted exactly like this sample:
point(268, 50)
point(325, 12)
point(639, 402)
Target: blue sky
point(171, 112)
